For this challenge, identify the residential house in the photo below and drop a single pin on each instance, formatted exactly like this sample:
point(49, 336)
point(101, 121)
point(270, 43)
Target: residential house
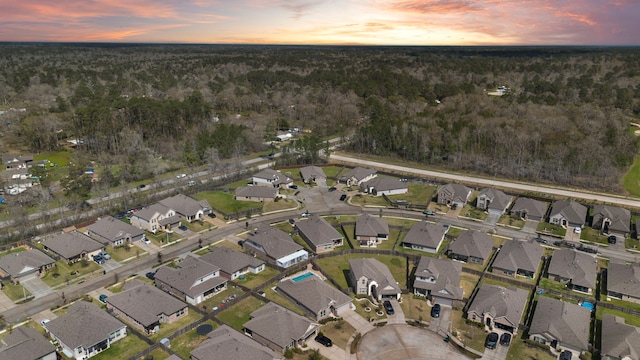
point(611, 220)
point(13, 161)
point(451, 194)
point(319, 234)
point(233, 263)
point(256, 193)
point(194, 280)
point(357, 176)
point(73, 246)
point(280, 329)
point(494, 201)
point(317, 298)
point(438, 280)
point(155, 217)
point(561, 325)
point(111, 231)
point(312, 174)
point(146, 307)
point(85, 330)
point(473, 247)
point(621, 342)
point(371, 230)
point(576, 269)
point(227, 343)
point(529, 209)
point(26, 343)
point(518, 258)
point(425, 236)
point(24, 265)
point(370, 277)
point(623, 282)
point(498, 307)
point(275, 246)
point(568, 214)
point(189, 208)
point(384, 186)
point(273, 178)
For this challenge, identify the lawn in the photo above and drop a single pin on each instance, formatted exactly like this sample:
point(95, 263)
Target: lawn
point(419, 193)
point(331, 171)
point(628, 318)
point(557, 230)
point(368, 200)
point(15, 292)
point(220, 299)
point(162, 238)
point(631, 180)
point(123, 349)
point(415, 307)
point(281, 300)
point(473, 213)
point(252, 280)
point(122, 253)
point(239, 313)
point(337, 267)
point(184, 344)
point(225, 202)
point(60, 158)
point(508, 220)
point(167, 329)
point(546, 283)
point(630, 243)
point(468, 333)
point(468, 283)
point(339, 332)
point(281, 204)
point(69, 272)
point(593, 235)
point(520, 350)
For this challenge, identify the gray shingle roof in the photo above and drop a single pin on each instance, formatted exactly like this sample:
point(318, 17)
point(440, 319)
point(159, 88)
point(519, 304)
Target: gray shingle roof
point(22, 262)
point(506, 305)
point(150, 211)
point(384, 184)
point(279, 325)
point(624, 279)
point(227, 343)
point(71, 244)
point(534, 208)
point(275, 242)
point(146, 303)
point(358, 173)
point(185, 205)
point(446, 274)
point(621, 340)
point(313, 293)
point(578, 266)
point(318, 231)
point(425, 234)
point(276, 177)
point(516, 255)
point(472, 243)
point(229, 260)
point(84, 324)
point(369, 225)
point(256, 191)
point(574, 212)
point(111, 228)
point(460, 193)
point(312, 172)
point(25, 343)
point(620, 218)
point(373, 269)
point(186, 277)
point(498, 199)
point(566, 322)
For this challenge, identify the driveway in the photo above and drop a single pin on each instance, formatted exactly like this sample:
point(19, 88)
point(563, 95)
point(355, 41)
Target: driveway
point(530, 226)
point(398, 314)
point(110, 265)
point(331, 353)
point(492, 219)
point(442, 322)
point(358, 322)
point(5, 302)
point(36, 287)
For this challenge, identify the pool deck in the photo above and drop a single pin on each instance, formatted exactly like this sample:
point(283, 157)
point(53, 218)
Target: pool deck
point(309, 269)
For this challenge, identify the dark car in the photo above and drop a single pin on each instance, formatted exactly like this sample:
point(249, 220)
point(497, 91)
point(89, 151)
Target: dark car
point(294, 187)
point(323, 340)
point(292, 221)
point(333, 188)
point(103, 298)
point(343, 197)
point(435, 311)
point(211, 215)
point(566, 355)
point(183, 228)
point(541, 240)
point(454, 206)
point(388, 307)
point(151, 275)
point(142, 186)
point(491, 341)
point(98, 259)
point(429, 212)
point(505, 339)
point(612, 239)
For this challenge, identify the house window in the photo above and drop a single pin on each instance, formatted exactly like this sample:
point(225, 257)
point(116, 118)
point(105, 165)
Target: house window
point(153, 220)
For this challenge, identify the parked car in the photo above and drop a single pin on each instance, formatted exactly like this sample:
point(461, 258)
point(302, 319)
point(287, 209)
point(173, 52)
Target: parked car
point(333, 188)
point(429, 212)
point(103, 298)
point(305, 214)
point(146, 240)
point(435, 311)
point(44, 322)
point(294, 187)
point(388, 307)
point(343, 197)
point(323, 340)
point(454, 206)
point(105, 255)
point(191, 183)
point(505, 339)
point(612, 239)
point(98, 259)
point(541, 240)
point(491, 341)
point(292, 221)
point(211, 215)
point(183, 227)
point(577, 230)
point(180, 176)
point(566, 355)
point(151, 275)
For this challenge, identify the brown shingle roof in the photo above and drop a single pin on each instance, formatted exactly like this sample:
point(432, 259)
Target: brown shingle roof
point(111, 228)
point(72, 244)
point(446, 274)
point(565, 322)
point(25, 343)
point(369, 225)
point(318, 231)
point(186, 277)
point(624, 279)
point(373, 269)
point(275, 242)
point(229, 260)
point(472, 243)
point(227, 343)
point(185, 205)
point(313, 293)
point(280, 325)
point(18, 263)
point(621, 340)
point(505, 305)
point(146, 303)
point(425, 234)
point(516, 255)
point(578, 266)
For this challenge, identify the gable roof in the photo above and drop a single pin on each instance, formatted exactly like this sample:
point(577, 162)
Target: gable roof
point(145, 303)
point(312, 172)
point(578, 266)
point(279, 325)
point(499, 200)
point(369, 225)
point(111, 228)
point(318, 231)
point(472, 243)
point(459, 192)
point(624, 279)
point(150, 211)
point(185, 205)
point(230, 260)
point(506, 305)
point(25, 343)
point(358, 173)
point(256, 191)
point(276, 177)
point(516, 255)
point(574, 212)
point(374, 270)
point(425, 234)
point(275, 242)
point(620, 218)
point(227, 343)
point(71, 244)
point(533, 207)
point(446, 274)
point(384, 184)
point(186, 277)
point(15, 264)
point(622, 340)
point(313, 293)
point(84, 324)
point(568, 323)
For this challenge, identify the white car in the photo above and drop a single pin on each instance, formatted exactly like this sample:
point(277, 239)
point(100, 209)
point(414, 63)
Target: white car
point(181, 176)
point(577, 230)
point(146, 241)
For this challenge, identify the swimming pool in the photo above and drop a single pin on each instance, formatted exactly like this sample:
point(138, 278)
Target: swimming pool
point(302, 277)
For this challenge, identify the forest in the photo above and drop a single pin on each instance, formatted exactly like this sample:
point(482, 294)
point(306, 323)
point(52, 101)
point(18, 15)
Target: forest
point(139, 110)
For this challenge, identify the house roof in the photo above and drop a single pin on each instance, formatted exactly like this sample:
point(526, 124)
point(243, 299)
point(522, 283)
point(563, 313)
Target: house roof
point(446, 274)
point(72, 244)
point(230, 260)
point(276, 243)
point(276, 176)
point(185, 205)
point(574, 212)
point(578, 266)
point(174, 219)
point(622, 341)
point(499, 200)
point(186, 277)
point(227, 343)
point(358, 173)
point(624, 279)
point(318, 231)
point(111, 228)
point(313, 293)
point(425, 234)
point(369, 225)
point(506, 305)
point(533, 207)
point(472, 243)
point(459, 192)
point(620, 218)
point(25, 343)
point(256, 191)
point(9, 159)
point(15, 264)
point(84, 324)
point(566, 322)
point(145, 303)
point(150, 211)
point(385, 184)
point(373, 269)
point(312, 172)
point(279, 325)
point(516, 255)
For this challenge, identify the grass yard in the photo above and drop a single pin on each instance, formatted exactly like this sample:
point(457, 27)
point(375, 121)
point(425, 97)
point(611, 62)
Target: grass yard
point(225, 201)
point(508, 220)
point(404, 222)
point(630, 243)
point(469, 334)
point(239, 314)
point(419, 193)
point(184, 344)
point(368, 200)
point(167, 329)
point(220, 299)
point(15, 292)
point(339, 332)
point(520, 350)
point(415, 307)
point(557, 230)
point(593, 235)
point(281, 204)
point(547, 283)
point(122, 253)
point(628, 318)
point(627, 304)
point(473, 213)
point(331, 171)
point(123, 349)
point(631, 180)
point(281, 300)
point(468, 283)
point(252, 280)
point(337, 267)
point(64, 272)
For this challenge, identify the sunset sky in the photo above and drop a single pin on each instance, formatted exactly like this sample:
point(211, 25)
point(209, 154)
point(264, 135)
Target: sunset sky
point(364, 22)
